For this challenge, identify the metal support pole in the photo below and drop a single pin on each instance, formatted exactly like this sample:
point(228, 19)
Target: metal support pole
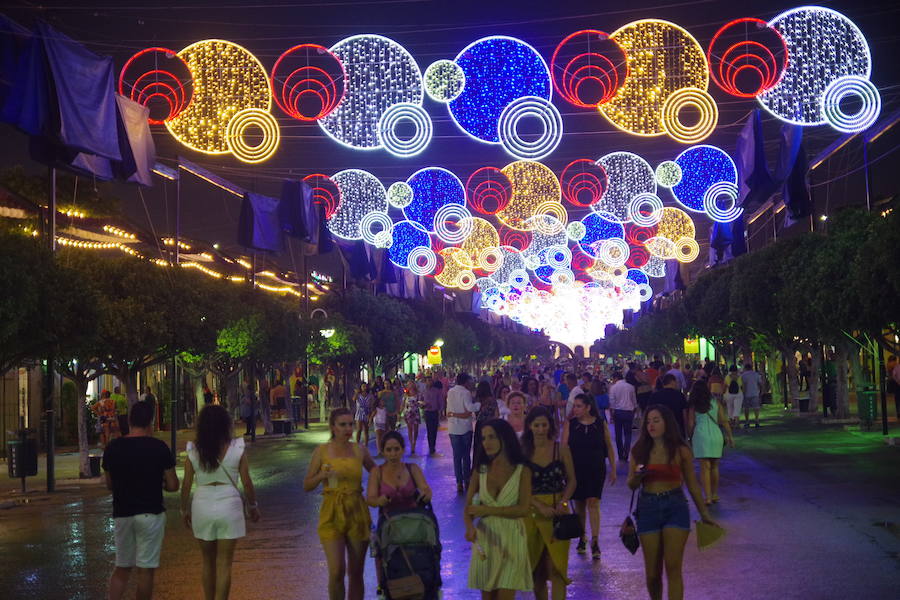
point(173, 410)
point(882, 376)
point(48, 379)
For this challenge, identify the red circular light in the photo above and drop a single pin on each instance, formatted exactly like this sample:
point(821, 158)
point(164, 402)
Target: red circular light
point(588, 68)
point(488, 190)
point(325, 192)
point(583, 182)
point(145, 82)
point(747, 46)
point(308, 82)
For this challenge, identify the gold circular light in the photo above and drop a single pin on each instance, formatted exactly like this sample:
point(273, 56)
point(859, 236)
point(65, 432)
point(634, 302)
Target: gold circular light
point(237, 127)
point(532, 185)
point(705, 105)
point(687, 250)
point(483, 235)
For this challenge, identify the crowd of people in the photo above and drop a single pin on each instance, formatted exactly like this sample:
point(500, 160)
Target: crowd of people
point(532, 450)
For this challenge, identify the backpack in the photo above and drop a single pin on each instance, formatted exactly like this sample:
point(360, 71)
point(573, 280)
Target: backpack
point(733, 387)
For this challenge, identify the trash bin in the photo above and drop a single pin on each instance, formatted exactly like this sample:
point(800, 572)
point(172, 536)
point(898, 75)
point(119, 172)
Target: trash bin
point(804, 403)
point(867, 402)
point(95, 464)
point(22, 456)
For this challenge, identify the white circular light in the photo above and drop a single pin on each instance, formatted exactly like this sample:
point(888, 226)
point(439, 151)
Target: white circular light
point(490, 259)
point(613, 251)
point(463, 219)
point(444, 80)
point(374, 218)
point(668, 174)
point(396, 114)
point(384, 239)
point(645, 292)
point(641, 200)
point(576, 231)
point(711, 204)
point(559, 257)
point(400, 194)
point(851, 85)
point(522, 108)
point(419, 254)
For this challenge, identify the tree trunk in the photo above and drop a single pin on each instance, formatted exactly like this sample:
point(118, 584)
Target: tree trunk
point(841, 393)
point(793, 380)
point(814, 389)
point(129, 380)
point(84, 463)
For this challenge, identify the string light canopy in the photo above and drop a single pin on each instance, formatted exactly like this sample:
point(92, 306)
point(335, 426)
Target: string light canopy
point(628, 175)
point(361, 193)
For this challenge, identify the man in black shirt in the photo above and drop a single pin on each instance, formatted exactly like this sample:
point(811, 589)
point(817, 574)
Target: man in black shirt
point(671, 395)
point(137, 469)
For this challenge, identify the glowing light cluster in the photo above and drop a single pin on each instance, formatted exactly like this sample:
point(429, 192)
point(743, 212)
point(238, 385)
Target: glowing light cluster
point(308, 82)
point(324, 192)
point(444, 80)
point(361, 193)
point(524, 108)
point(701, 167)
point(533, 184)
point(227, 79)
point(236, 131)
point(433, 187)
point(588, 68)
point(629, 175)
point(488, 190)
point(407, 236)
point(146, 81)
point(399, 194)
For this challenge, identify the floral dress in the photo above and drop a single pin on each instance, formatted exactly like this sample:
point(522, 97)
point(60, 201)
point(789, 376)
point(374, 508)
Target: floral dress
point(411, 410)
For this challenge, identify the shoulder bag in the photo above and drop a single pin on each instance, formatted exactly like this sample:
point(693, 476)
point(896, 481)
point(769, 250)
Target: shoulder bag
point(628, 530)
point(410, 587)
point(244, 502)
point(567, 526)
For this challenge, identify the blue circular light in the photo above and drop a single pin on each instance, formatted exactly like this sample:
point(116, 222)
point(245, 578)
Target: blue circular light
point(406, 235)
point(597, 228)
point(701, 167)
point(637, 276)
point(433, 187)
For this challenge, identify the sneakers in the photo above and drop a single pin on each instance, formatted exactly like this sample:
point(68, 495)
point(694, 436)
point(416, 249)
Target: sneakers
point(595, 550)
point(582, 546)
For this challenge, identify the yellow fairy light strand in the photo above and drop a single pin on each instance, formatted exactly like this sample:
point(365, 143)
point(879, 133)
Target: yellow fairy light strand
point(533, 185)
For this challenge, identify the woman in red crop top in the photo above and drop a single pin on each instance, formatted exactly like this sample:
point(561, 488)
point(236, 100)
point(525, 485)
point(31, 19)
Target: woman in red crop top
point(660, 463)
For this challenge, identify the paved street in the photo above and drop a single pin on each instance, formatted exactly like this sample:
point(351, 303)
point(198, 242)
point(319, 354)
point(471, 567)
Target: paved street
point(810, 513)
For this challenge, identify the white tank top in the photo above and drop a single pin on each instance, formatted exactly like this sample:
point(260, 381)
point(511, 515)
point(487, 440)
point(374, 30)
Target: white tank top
point(230, 462)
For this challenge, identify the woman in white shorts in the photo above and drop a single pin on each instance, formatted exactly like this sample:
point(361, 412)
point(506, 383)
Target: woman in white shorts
point(216, 514)
point(734, 397)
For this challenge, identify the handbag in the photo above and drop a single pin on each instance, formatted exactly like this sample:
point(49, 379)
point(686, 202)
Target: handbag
point(244, 502)
point(628, 530)
point(568, 526)
point(410, 587)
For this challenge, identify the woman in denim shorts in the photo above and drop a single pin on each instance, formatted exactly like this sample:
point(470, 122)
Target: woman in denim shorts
point(660, 463)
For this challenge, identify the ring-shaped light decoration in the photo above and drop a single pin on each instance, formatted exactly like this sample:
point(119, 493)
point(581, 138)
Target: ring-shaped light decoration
point(227, 78)
point(519, 278)
point(399, 194)
point(498, 70)
point(325, 192)
point(747, 45)
point(524, 108)
point(399, 113)
point(558, 257)
point(513, 238)
point(628, 175)
point(711, 201)
point(375, 218)
point(645, 218)
point(583, 182)
point(380, 74)
point(576, 231)
point(637, 256)
point(588, 68)
point(823, 45)
point(305, 76)
point(645, 292)
point(637, 235)
point(459, 217)
point(705, 106)
point(488, 190)
point(237, 128)
point(687, 250)
point(407, 235)
point(701, 167)
point(433, 187)
point(533, 183)
point(361, 193)
point(490, 259)
point(662, 58)
point(444, 80)
point(844, 87)
point(175, 90)
point(613, 252)
point(422, 260)
point(562, 277)
point(550, 218)
point(466, 280)
point(512, 260)
point(668, 173)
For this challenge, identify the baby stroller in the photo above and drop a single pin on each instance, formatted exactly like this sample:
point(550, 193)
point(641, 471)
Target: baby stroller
point(408, 543)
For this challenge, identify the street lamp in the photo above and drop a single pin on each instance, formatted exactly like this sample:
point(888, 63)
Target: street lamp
point(326, 333)
point(439, 343)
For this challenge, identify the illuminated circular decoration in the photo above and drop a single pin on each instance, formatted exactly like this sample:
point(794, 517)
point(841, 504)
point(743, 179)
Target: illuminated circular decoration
point(396, 114)
point(361, 193)
point(151, 85)
point(637, 256)
point(668, 174)
point(308, 82)
point(461, 218)
point(237, 128)
point(576, 231)
point(701, 167)
point(598, 228)
point(588, 68)
point(637, 276)
point(449, 275)
point(466, 280)
point(655, 267)
point(532, 185)
point(399, 194)
point(583, 182)
point(684, 98)
point(661, 247)
point(551, 218)
point(637, 235)
point(227, 79)
point(645, 292)
point(525, 108)
point(843, 87)
point(380, 74)
point(375, 218)
point(482, 235)
point(823, 45)
point(488, 190)
point(645, 218)
point(628, 175)
point(662, 58)
point(745, 52)
point(407, 235)
point(613, 251)
point(490, 259)
point(675, 224)
point(518, 240)
point(444, 80)
point(519, 278)
point(325, 192)
point(384, 239)
point(711, 202)
point(433, 187)
point(497, 70)
point(546, 236)
point(562, 277)
point(558, 257)
point(687, 249)
point(422, 260)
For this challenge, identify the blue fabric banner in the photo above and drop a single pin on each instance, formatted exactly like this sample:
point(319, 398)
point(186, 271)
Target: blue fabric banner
point(259, 227)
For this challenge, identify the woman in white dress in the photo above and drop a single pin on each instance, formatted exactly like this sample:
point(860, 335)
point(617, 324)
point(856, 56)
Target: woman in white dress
point(216, 514)
point(499, 497)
